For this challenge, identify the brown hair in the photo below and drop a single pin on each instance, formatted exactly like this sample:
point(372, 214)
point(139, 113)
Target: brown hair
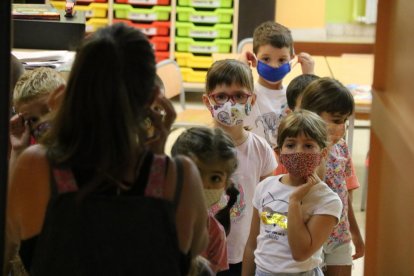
point(228, 72)
point(306, 122)
point(274, 34)
point(296, 88)
point(328, 95)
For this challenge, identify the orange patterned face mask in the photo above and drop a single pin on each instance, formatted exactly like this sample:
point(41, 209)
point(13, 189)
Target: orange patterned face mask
point(300, 164)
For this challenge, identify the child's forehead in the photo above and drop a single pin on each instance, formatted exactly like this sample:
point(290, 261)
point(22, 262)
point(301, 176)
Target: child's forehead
point(230, 89)
point(268, 49)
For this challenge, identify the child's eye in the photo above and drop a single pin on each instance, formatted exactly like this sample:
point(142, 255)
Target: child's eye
point(266, 59)
point(215, 179)
point(282, 61)
point(309, 146)
point(289, 146)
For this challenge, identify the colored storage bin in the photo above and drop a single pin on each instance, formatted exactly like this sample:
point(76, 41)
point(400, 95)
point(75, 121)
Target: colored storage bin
point(145, 2)
point(190, 60)
point(91, 1)
point(160, 43)
point(92, 10)
point(187, 29)
point(160, 56)
point(190, 75)
point(206, 3)
point(160, 13)
point(94, 24)
point(159, 28)
point(184, 44)
point(188, 14)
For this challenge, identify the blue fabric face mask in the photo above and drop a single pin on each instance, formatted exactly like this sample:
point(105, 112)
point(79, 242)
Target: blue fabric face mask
point(272, 74)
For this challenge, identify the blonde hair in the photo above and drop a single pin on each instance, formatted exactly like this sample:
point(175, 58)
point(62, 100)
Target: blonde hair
point(38, 82)
point(306, 122)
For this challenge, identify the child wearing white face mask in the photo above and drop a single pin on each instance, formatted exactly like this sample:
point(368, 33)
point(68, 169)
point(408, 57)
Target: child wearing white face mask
point(334, 103)
point(293, 213)
point(214, 153)
point(229, 96)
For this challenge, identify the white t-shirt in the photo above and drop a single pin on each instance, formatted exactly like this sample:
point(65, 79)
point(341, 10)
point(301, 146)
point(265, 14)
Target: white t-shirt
point(271, 199)
point(267, 112)
point(256, 159)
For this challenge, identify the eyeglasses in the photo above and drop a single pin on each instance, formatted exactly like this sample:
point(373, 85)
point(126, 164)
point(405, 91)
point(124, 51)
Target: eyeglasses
point(222, 98)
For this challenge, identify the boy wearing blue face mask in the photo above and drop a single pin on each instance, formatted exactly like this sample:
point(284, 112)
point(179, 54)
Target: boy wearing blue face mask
point(273, 54)
point(229, 97)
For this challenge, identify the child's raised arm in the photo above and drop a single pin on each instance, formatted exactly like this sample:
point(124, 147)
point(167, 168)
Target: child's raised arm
point(249, 267)
point(306, 238)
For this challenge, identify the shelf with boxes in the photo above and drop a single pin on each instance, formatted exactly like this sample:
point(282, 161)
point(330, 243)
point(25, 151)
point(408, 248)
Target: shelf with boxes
point(152, 17)
point(189, 31)
point(203, 27)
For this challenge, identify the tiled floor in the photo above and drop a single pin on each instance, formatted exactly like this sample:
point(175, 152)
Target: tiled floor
point(361, 145)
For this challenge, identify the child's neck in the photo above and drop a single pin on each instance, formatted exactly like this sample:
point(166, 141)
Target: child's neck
point(274, 86)
point(291, 180)
point(237, 133)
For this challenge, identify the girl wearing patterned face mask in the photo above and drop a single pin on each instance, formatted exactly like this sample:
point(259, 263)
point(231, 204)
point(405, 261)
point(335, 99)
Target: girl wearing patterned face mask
point(295, 208)
point(214, 153)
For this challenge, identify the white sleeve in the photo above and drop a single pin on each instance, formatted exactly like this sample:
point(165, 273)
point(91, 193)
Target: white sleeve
point(269, 163)
point(331, 205)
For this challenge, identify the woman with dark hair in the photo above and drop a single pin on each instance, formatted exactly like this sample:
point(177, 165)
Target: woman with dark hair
point(93, 199)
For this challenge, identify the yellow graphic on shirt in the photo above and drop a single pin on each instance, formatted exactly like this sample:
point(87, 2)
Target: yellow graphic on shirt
point(274, 218)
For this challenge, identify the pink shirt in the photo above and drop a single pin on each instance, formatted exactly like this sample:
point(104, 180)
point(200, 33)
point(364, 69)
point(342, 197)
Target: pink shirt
point(216, 252)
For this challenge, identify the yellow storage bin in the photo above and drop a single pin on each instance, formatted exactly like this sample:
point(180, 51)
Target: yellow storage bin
point(156, 13)
point(94, 24)
point(190, 75)
point(187, 14)
point(91, 10)
point(190, 60)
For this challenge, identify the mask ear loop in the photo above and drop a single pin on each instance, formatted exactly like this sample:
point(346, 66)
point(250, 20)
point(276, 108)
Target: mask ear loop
point(295, 60)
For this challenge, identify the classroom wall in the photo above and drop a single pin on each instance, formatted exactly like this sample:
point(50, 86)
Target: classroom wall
point(300, 14)
point(344, 11)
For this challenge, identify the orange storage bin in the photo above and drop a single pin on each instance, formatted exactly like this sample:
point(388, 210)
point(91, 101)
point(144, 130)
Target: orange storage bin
point(160, 43)
point(156, 28)
point(160, 56)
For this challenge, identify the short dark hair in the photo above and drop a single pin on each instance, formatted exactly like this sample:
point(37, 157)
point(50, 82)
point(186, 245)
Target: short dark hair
point(296, 87)
point(228, 72)
point(274, 34)
point(328, 95)
point(207, 145)
point(306, 122)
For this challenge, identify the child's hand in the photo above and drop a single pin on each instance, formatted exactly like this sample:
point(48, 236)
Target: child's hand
point(248, 58)
point(304, 189)
point(19, 133)
point(359, 247)
point(162, 116)
point(307, 63)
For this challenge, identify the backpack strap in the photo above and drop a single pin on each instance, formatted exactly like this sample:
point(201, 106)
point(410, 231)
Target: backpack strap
point(179, 182)
point(64, 181)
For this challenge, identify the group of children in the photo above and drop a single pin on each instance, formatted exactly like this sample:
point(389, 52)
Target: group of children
point(300, 221)
point(276, 171)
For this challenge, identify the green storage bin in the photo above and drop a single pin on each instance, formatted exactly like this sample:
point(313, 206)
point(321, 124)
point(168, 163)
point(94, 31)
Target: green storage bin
point(187, 29)
point(159, 13)
point(185, 44)
point(190, 60)
point(206, 3)
point(187, 14)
